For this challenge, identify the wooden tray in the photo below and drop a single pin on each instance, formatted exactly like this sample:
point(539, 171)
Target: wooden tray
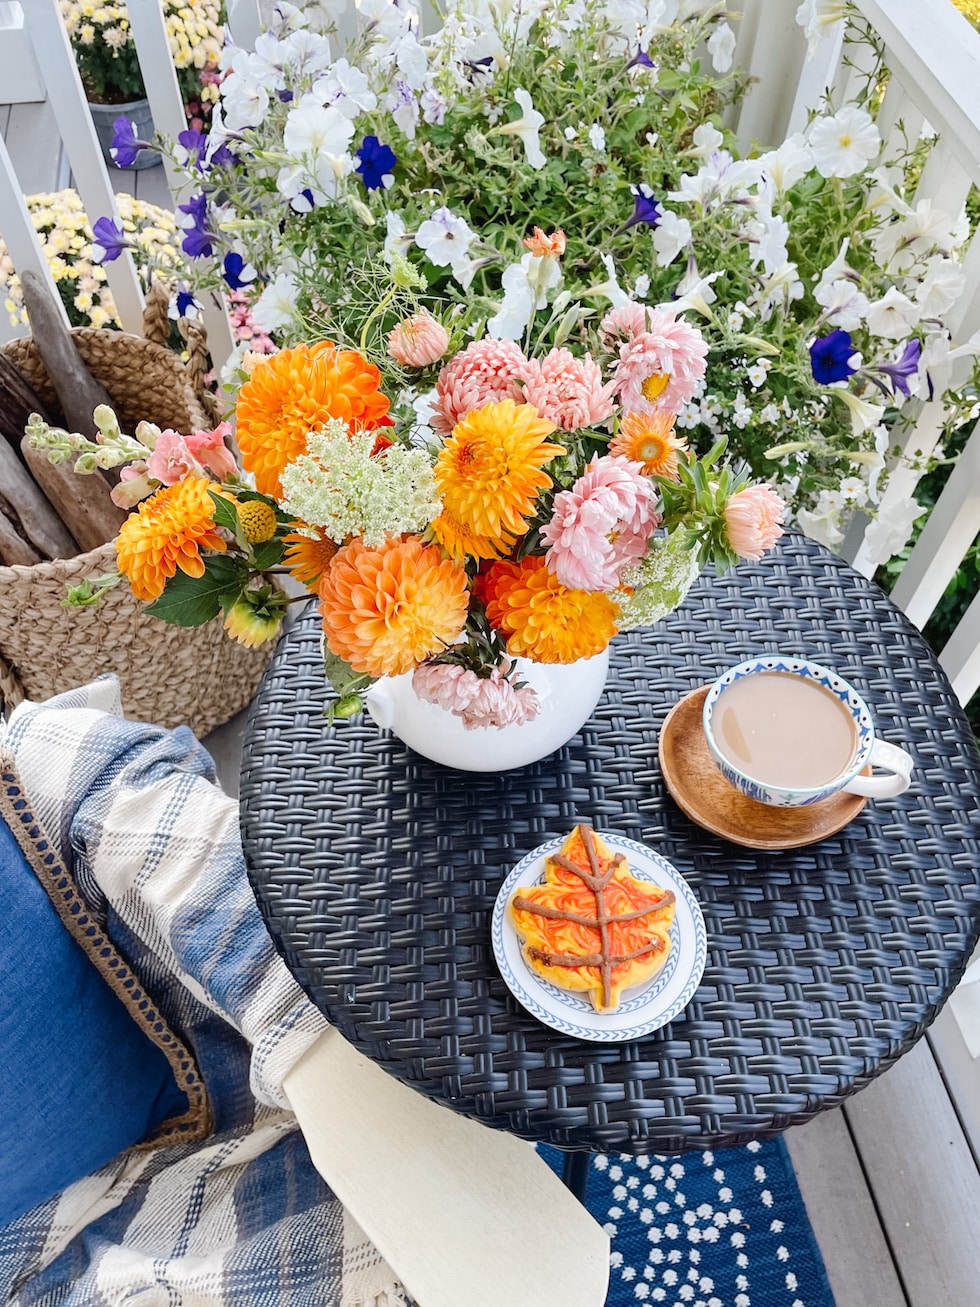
point(703, 794)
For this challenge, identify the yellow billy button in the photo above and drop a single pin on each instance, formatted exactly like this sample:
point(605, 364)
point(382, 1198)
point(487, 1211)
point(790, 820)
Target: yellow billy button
point(257, 521)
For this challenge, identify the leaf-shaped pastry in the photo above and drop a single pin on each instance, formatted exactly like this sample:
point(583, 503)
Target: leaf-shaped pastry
point(591, 925)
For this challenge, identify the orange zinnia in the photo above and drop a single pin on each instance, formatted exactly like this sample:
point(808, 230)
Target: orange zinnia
point(650, 440)
point(168, 531)
point(298, 391)
point(308, 556)
point(543, 619)
point(489, 474)
point(387, 608)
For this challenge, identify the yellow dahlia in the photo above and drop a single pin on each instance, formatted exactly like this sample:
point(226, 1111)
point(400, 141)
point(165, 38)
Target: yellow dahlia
point(387, 608)
point(650, 440)
point(489, 474)
point(297, 391)
point(308, 556)
point(168, 531)
point(543, 619)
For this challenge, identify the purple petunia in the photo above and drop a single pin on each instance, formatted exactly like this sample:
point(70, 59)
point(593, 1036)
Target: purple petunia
point(645, 208)
point(198, 240)
point(905, 366)
point(126, 145)
point(830, 357)
point(110, 241)
point(185, 302)
point(376, 163)
point(641, 59)
point(195, 143)
point(236, 272)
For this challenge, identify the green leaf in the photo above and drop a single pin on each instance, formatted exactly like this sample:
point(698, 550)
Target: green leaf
point(194, 600)
point(225, 512)
point(267, 554)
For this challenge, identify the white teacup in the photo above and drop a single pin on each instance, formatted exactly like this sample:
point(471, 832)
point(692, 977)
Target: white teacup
point(789, 732)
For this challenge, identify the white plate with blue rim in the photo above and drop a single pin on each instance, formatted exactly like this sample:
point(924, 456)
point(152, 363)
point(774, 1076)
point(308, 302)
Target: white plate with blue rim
point(642, 1009)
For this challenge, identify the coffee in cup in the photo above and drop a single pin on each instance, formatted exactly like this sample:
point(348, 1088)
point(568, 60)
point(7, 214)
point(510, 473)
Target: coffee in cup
point(789, 732)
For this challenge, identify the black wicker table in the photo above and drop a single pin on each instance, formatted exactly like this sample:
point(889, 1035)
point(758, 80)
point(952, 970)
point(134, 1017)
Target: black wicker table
point(376, 872)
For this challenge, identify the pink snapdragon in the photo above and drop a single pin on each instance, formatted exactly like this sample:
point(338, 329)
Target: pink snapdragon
point(480, 702)
point(486, 371)
point(660, 368)
point(172, 459)
point(567, 390)
point(599, 526)
point(209, 448)
point(752, 521)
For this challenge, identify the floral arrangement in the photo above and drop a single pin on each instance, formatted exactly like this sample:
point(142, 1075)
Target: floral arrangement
point(74, 254)
point(106, 54)
point(820, 286)
point(531, 507)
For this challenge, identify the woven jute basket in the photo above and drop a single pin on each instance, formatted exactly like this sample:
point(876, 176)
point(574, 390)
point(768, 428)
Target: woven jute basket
point(169, 675)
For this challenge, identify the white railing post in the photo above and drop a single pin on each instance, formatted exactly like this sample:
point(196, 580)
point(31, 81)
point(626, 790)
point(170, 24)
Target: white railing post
point(769, 41)
point(19, 235)
point(19, 75)
point(244, 22)
point(67, 98)
point(960, 657)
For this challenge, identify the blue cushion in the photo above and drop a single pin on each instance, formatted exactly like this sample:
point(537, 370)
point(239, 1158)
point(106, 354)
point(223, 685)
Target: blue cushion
point(79, 1079)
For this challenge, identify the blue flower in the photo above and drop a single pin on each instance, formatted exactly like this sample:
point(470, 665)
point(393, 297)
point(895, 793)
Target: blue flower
point(110, 241)
point(185, 301)
point(195, 143)
point(645, 208)
point(641, 59)
point(377, 161)
point(236, 272)
point(905, 366)
point(126, 145)
point(198, 241)
point(829, 357)
point(223, 157)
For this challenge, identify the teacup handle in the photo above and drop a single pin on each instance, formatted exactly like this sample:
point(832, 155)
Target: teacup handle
point(893, 759)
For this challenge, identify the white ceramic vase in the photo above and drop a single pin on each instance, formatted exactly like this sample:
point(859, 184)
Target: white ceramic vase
point(568, 693)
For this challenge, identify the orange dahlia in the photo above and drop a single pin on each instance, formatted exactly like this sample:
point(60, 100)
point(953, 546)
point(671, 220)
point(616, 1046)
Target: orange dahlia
point(387, 608)
point(543, 619)
point(308, 556)
point(168, 531)
point(489, 474)
point(298, 391)
point(650, 440)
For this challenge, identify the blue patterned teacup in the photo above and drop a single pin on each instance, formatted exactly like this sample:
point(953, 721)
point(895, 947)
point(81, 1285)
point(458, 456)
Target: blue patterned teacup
point(763, 720)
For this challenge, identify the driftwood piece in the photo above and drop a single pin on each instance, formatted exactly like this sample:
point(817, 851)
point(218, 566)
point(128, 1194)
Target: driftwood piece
point(79, 394)
point(14, 549)
point(24, 504)
point(17, 402)
point(82, 502)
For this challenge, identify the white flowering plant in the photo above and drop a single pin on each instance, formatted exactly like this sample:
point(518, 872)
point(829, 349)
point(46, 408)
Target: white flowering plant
point(820, 286)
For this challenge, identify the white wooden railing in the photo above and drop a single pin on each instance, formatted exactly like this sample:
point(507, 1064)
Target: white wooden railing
point(934, 59)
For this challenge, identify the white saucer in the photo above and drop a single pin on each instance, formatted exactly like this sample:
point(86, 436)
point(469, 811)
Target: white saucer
point(641, 1010)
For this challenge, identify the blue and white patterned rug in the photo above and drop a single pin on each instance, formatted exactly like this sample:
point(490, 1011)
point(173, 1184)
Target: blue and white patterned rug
point(721, 1229)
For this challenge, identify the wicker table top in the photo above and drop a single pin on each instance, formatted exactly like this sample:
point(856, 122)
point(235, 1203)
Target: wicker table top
point(377, 871)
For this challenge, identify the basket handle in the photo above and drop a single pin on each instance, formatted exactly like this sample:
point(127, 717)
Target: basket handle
point(11, 690)
point(156, 328)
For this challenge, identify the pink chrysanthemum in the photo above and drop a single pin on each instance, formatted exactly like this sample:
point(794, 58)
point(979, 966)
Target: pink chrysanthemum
point(479, 701)
point(604, 522)
point(622, 324)
point(568, 391)
point(486, 371)
point(752, 518)
point(661, 367)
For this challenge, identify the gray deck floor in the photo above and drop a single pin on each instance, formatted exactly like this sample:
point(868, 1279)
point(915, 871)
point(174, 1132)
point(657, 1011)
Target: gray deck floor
point(889, 1179)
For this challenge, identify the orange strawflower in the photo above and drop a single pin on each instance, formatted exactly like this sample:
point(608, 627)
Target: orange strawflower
point(489, 473)
point(168, 531)
point(308, 556)
point(650, 440)
point(542, 619)
point(387, 608)
point(297, 391)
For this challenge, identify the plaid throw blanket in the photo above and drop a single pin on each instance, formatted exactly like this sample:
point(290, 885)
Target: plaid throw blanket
point(243, 1218)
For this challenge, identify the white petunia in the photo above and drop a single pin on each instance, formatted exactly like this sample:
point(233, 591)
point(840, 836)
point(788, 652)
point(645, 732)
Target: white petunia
point(721, 47)
point(707, 138)
point(694, 292)
point(845, 143)
point(313, 133)
point(597, 137)
point(276, 305)
point(786, 166)
point(445, 238)
point(382, 20)
point(610, 289)
point(777, 291)
point(890, 530)
point(818, 18)
point(941, 287)
point(844, 305)
point(514, 315)
point(864, 414)
point(404, 108)
point(768, 238)
point(306, 53)
point(396, 241)
point(347, 89)
point(412, 62)
point(893, 316)
point(527, 128)
point(245, 101)
point(671, 236)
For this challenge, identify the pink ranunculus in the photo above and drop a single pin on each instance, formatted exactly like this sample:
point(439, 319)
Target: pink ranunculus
point(567, 390)
point(172, 459)
point(660, 368)
point(485, 372)
point(599, 526)
point(418, 341)
point(752, 521)
point(622, 324)
point(209, 448)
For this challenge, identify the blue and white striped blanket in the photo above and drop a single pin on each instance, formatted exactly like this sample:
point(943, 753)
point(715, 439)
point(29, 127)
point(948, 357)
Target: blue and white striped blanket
point(242, 1220)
